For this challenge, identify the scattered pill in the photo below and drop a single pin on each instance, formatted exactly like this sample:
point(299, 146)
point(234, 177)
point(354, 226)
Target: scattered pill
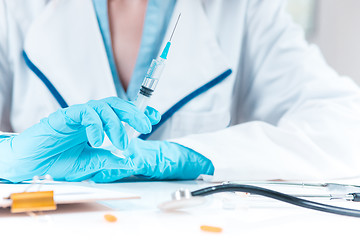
point(110, 218)
point(211, 229)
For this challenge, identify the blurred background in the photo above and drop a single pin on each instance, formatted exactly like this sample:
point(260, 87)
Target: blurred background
point(333, 26)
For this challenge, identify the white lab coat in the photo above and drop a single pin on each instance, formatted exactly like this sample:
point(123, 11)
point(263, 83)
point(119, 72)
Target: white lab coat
point(282, 113)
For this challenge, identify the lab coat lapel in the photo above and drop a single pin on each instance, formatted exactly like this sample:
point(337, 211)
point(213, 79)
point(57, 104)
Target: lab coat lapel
point(195, 57)
point(66, 45)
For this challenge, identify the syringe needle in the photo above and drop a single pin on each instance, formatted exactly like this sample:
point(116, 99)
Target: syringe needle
point(175, 27)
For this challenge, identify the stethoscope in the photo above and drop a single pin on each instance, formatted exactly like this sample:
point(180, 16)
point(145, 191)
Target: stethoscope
point(183, 198)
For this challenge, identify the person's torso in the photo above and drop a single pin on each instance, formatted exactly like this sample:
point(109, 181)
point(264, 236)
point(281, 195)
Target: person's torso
point(57, 49)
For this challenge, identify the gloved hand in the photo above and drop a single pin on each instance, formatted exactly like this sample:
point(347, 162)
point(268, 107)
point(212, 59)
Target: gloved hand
point(59, 144)
point(158, 160)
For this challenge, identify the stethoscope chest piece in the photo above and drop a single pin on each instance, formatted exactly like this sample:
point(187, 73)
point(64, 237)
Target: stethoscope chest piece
point(182, 198)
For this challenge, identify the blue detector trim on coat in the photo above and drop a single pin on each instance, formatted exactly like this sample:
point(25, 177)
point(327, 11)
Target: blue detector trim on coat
point(187, 99)
point(46, 81)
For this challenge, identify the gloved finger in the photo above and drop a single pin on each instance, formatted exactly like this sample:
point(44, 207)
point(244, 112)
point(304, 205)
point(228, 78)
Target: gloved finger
point(112, 125)
point(166, 160)
point(127, 167)
point(111, 175)
point(86, 116)
point(134, 148)
point(153, 115)
point(192, 163)
point(129, 113)
point(100, 165)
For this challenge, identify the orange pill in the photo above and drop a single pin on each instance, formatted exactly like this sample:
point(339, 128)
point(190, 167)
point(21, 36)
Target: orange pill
point(110, 218)
point(211, 229)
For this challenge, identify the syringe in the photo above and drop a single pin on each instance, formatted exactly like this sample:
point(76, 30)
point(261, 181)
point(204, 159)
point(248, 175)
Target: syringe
point(150, 81)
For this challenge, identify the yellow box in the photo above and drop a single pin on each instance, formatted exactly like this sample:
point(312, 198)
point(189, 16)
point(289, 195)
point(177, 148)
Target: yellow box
point(32, 201)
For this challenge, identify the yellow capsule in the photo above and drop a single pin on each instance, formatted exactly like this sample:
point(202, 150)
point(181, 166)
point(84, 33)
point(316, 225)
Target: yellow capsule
point(110, 218)
point(211, 229)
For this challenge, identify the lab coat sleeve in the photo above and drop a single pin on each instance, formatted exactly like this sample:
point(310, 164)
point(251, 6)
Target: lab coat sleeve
point(300, 119)
point(5, 73)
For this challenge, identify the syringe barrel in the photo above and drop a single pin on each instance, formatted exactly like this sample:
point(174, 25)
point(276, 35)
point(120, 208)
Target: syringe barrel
point(153, 74)
point(141, 103)
point(147, 88)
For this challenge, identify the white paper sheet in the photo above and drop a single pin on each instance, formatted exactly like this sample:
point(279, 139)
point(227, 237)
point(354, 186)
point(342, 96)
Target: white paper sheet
point(64, 193)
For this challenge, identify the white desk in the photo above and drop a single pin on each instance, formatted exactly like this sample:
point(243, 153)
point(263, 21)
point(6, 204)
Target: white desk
point(140, 219)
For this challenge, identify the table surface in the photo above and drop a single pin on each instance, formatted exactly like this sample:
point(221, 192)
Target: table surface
point(239, 216)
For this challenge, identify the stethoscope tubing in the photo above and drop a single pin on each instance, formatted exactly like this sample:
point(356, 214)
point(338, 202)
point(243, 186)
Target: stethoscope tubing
point(278, 196)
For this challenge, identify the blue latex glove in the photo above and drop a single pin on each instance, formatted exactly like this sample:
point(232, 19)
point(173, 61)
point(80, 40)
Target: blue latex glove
point(59, 144)
point(158, 160)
